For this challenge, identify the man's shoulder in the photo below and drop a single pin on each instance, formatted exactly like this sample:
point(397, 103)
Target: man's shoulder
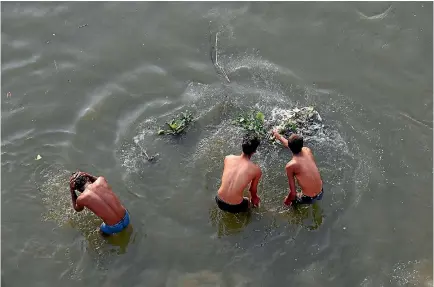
point(292, 163)
point(100, 180)
point(230, 157)
point(256, 167)
point(305, 148)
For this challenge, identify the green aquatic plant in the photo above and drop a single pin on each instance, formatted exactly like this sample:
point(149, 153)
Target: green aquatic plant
point(177, 125)
point(252, 122)
point(290, 125)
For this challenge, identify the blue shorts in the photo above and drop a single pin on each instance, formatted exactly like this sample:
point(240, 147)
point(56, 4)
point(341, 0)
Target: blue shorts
point(307, 199)
point(118, 227)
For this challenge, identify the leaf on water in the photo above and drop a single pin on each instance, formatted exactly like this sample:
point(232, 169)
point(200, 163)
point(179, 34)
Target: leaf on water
point(38, 157)
point(177, 125)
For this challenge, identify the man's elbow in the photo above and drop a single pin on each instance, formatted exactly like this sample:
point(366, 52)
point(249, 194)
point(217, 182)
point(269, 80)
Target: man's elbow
point(78, 209)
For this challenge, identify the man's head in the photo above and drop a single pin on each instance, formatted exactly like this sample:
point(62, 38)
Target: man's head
point(250, 144)
point(79, 181)
point(295, 143)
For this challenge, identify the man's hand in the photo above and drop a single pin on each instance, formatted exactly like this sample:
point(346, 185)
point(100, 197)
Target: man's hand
point(287, 201)
point(82, 173)
point(255, 201)
point(276, 134)
point(89, 176)
point(72, 183)
point(280, 138)
point(291, 197)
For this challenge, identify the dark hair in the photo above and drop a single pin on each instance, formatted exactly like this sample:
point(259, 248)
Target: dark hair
point(80, 182)
point(250, 143)
point(295, 143)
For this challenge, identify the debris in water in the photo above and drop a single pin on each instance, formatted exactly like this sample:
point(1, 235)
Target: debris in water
point(55, 65)
point(38, 157)
point(305, 121)
point(150, 158)
point(85, 25)
point(214, 60)
point(252, 122)
point(8, 95)
point(177, 125)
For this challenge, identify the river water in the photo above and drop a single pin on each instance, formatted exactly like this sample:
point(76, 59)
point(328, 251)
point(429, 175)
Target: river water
point(87, 85)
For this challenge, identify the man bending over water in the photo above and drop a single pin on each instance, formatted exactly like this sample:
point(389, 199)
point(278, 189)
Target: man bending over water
point(302, 166)
point(98, 196)
point(238, 173)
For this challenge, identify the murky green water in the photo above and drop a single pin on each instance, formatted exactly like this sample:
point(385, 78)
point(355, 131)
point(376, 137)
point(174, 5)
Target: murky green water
point(90, 83)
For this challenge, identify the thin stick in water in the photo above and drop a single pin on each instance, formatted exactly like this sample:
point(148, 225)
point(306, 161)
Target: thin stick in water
point(216, 52)
point(216, 59)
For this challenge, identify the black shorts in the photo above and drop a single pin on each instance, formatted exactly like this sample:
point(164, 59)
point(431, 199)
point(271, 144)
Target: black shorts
point(307, 199)
point(232, 208)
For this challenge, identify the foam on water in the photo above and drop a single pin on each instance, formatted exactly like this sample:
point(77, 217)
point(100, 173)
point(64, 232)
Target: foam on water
point(222, 18)
point(131, 152)
point(413, 273)
point(256, 64)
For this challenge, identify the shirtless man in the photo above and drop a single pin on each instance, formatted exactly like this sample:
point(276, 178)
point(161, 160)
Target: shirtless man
point(238, 173)
point(98, 196)
point(303, 167)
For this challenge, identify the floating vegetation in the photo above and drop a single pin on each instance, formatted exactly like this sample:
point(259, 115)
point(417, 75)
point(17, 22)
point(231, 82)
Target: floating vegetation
point(303, 121)
point(252, 122)
point(177, 125)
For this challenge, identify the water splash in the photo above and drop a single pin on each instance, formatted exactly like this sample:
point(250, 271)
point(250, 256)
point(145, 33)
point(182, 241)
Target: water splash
point(413, 273)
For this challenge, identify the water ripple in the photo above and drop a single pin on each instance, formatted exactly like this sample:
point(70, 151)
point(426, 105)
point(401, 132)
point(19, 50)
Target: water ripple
point(15, 64)
point(379, 16)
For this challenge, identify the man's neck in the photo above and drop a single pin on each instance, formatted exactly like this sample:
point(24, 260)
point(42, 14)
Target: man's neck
point(296, 154)
point(243, 155)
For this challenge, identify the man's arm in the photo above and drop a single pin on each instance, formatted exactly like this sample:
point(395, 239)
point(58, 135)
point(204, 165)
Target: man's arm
point(280, 138)
point(90, 177)
point(74, 197)
point(254, 189)
point(292, 191)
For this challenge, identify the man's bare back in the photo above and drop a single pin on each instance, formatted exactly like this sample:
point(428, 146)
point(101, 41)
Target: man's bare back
point(98, 197)
point(238, 173)
point(302, 166)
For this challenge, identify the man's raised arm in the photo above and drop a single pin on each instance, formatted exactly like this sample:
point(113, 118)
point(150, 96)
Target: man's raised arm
point(76, 207)
point(90, 177)
point(280, 138)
